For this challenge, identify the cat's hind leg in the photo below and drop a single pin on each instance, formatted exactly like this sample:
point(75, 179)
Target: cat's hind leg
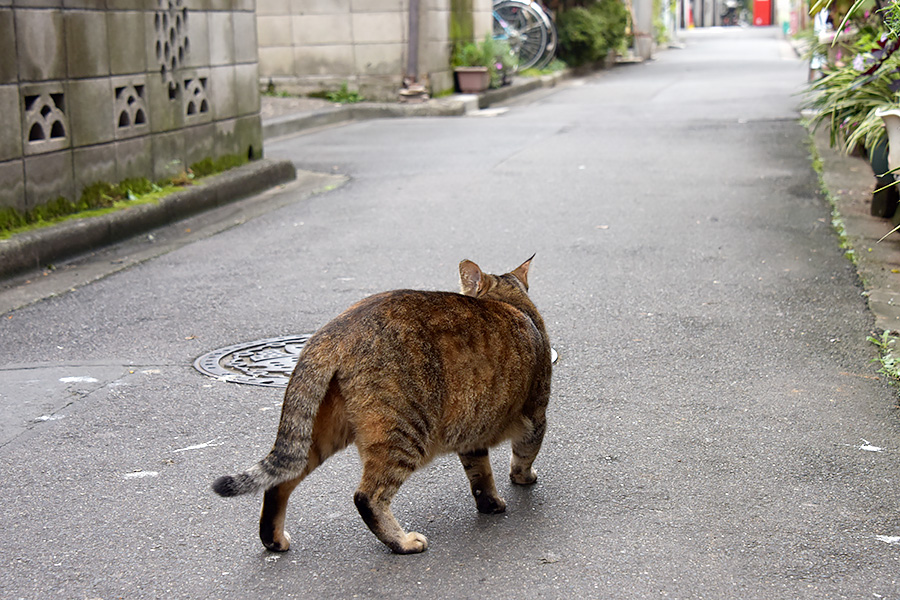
point(477, 465)
point(380, 481)
point(525, 448)
point(331, 433)
point(271, 520)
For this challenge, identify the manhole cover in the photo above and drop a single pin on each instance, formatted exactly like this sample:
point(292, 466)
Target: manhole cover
point(268, 362)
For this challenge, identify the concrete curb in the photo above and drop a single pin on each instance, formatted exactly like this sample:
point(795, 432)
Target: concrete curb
point(35, 249)
point(524, 86)
point(291, 124)
point(451, 106)
point(850, 182)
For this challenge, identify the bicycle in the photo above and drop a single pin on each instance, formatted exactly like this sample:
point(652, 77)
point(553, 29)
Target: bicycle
point(528, 29)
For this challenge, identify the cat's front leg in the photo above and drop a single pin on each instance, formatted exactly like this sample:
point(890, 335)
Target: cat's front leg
point(525, 449)
point(481, 478)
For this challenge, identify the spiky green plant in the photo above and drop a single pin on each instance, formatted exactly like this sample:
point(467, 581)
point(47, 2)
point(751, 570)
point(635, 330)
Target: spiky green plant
point(846, 101)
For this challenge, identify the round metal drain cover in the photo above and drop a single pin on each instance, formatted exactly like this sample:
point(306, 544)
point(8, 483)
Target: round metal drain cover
point(268, 362)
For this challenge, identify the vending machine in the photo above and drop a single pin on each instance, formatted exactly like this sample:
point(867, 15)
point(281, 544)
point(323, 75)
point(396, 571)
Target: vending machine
point(762, 12)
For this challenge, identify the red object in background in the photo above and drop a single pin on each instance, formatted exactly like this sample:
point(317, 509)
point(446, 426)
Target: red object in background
point(762, 12)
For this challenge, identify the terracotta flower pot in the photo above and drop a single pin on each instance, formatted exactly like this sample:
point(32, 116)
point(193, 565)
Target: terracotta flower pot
point(472, 80)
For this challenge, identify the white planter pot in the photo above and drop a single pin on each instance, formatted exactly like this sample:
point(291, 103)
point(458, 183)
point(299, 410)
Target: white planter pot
point(891, 118)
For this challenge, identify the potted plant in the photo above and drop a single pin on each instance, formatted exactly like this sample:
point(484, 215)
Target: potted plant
point(471, 63)
point(478, 66)
point(849, 98)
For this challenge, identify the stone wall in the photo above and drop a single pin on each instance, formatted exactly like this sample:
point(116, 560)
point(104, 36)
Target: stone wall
point(314, 45)
point(104, 90)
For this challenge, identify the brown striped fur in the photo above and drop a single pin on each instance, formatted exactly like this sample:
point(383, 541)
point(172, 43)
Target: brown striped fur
point(406, 376)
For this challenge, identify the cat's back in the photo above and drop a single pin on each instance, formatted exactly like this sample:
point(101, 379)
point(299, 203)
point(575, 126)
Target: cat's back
point(433, 313)
point(469, 360)
point(435, 323)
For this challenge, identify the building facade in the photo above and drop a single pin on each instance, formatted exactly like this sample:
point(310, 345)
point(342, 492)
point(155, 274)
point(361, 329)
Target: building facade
point(105, 90)
point(315, 45)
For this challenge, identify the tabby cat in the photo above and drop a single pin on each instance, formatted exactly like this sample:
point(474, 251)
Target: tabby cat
point(408, 375)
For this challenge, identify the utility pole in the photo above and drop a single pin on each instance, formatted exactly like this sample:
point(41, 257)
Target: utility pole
point(643, 28)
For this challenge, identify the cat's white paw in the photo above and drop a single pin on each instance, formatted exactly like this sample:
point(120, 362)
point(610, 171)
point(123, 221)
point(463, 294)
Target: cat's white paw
point(281, 545)
point(490, 505)
point(520, 477)
point(413, 543)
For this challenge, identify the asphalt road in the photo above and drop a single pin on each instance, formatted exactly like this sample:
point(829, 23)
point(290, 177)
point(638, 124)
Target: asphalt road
point(716, 427)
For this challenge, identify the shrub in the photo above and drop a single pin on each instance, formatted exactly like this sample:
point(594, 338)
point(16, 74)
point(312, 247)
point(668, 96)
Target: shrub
point(616, 19)
point(471, 54)
point(587, 34)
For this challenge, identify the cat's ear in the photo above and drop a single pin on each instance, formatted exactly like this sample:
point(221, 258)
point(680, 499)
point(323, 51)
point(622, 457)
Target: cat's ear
point(471, 278)
point(521, 272)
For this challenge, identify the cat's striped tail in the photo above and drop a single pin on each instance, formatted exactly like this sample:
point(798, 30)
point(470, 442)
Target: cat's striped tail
point(253, 479)
point(289, 456)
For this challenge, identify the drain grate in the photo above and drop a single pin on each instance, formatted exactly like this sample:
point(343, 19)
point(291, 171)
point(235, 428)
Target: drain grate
point(267, 362)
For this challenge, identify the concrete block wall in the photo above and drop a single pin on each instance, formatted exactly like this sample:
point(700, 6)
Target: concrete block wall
point(104, 90)
point(314, 45)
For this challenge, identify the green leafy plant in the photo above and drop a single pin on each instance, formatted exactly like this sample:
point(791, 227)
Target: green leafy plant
point(138, 186)
point(10, 219)
point(846, 11)
point(588, 33)
point(50, 210)
point(555, 65)
point(890, 364)
point(101, 196)
point(495, 55)
point(837, 221)
point(504, 64)
point(211, 166)
point(472, 54)
point(890, 14)
point(274, 92)
point(344, 95)
point(868, 27)
point(846, 102)
point(660, 33)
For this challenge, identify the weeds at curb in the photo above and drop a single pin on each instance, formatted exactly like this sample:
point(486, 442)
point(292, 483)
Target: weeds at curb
point(101, 197)
point(837, 221)
point(890, 363)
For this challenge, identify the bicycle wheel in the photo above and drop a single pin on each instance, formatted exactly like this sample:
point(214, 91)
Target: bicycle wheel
point(525, 30)
point(552, 41)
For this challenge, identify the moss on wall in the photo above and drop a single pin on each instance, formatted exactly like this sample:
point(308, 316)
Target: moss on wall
point(462, 22)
